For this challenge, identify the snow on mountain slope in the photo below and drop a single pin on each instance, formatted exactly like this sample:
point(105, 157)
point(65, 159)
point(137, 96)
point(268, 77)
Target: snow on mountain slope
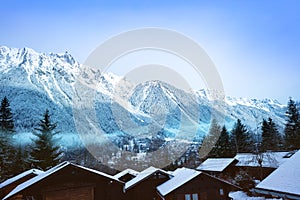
point(51, 74)
point(35, 81)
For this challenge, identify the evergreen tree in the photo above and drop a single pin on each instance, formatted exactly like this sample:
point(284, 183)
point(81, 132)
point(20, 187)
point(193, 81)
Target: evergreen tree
point(292, 127)
point(223, 147)
point(6, 158)
point(19, 162)
point(6, 148)
point(271, 138)
point(214, 131)
point(210, 139)
point(241, 138)
point(6, 117)
point(45, 152)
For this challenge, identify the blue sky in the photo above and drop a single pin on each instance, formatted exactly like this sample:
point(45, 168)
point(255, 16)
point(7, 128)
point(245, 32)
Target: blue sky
point(255, 45)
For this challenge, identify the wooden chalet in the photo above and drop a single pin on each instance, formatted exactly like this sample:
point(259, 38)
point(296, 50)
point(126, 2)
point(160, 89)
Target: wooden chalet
point(220, 167)
point(143, 186)
point(284, 182)
point(69, 181)
point(7, 186)
point(189, 184)
point(269, 162)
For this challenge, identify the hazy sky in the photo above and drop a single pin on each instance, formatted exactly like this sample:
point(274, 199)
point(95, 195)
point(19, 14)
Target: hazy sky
point(255, 45)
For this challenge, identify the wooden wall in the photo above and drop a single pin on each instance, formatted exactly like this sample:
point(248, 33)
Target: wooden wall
point(206, 188)
point(146, 189)
point(72, 183)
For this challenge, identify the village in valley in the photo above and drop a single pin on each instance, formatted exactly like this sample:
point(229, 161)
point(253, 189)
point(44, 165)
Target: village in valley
point(257, 175)
point(277, 178)
point(36, 162)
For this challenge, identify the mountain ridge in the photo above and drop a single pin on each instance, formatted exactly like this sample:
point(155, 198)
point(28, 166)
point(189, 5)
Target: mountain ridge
point(36, 81)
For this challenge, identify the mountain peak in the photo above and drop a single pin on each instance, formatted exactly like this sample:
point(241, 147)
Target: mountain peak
point(51, 78)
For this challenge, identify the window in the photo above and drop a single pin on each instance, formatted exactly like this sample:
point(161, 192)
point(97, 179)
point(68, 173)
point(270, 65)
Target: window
point(221, 191)
point(195, 196)
point(187, 197)
point(191, 196)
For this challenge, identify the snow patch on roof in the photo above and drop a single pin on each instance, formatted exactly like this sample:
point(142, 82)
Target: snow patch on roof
point(96, 172)
point(22, 175)
point(181, 176)
point(285, 179)
point(36, 179)
point(215, 164)
point(240, 195)
point(126, 171)
point(270, 159)
point(142, 176)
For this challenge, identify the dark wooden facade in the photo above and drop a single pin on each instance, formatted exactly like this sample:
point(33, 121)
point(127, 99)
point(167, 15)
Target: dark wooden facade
point(72, 182)
point(256, 172)
point(202, 187)
point(146, 188)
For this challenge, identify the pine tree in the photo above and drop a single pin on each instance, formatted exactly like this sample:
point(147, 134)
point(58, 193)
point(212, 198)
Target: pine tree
point(6, 148)
point(223, 148)
point(210, 139)
point(271, 138)
point(19, 161)
point(292, 127)
point(6, 117)
point(214, 131)
point(5, 156)
point(241, 138)
point(45, 152)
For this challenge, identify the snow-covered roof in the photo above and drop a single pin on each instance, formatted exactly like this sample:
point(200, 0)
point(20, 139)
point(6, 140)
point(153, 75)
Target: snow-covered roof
point(19, 176)
point(270, 159)
point(285, 179)
point(215, 164)
point(181, 176)
point(49, 172)
point(142, 176)
point(126, 171)
point(96, 172)
point(241, 195)
point(36, 179)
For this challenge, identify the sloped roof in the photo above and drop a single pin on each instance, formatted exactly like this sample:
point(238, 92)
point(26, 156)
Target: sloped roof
point(215, 164)
point(49, 172)
point(96, 172)
point(285, 179)
point(181, 176)
point(126, 171)
point(270, 159)
point(142, 176)
point(19, 176)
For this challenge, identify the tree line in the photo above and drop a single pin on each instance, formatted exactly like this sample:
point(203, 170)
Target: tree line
point(241, 140)
point(43, 153)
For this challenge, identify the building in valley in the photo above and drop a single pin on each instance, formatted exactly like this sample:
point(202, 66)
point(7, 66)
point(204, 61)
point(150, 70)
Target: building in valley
point(69, 181)
point(284, 182)
point(143, 186)
point(190, 184)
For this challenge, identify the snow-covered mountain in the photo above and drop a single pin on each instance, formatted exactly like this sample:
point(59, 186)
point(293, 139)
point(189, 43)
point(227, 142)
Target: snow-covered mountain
point(35, 81)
